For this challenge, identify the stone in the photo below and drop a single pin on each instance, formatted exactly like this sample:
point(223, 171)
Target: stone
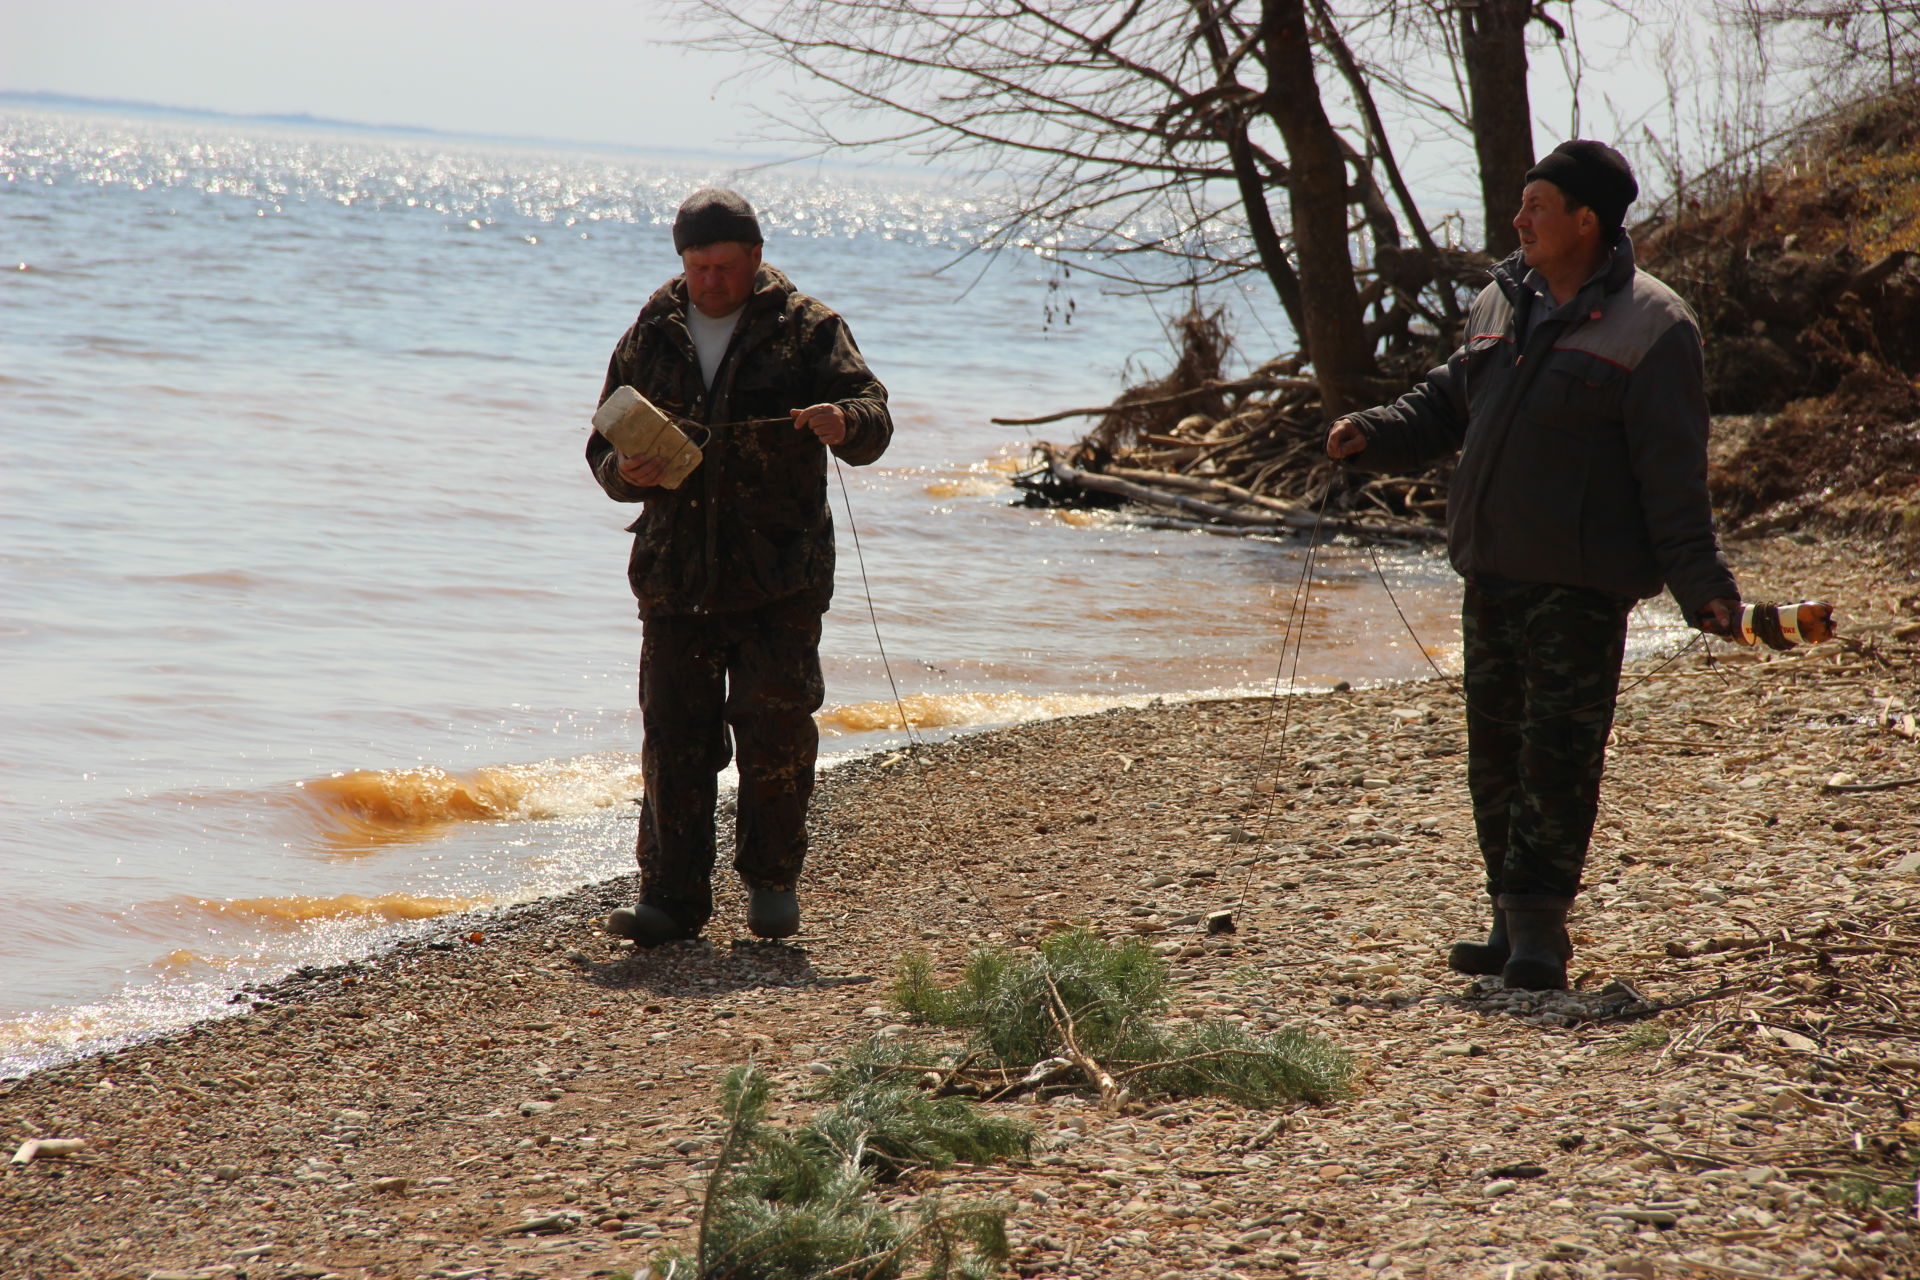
point(1500, 1187)
point(1518, 1171)
point(1634, 1268)
point(535, 1107)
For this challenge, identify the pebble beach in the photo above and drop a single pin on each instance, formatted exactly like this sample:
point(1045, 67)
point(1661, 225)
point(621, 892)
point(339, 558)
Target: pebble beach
point(1727, 1092)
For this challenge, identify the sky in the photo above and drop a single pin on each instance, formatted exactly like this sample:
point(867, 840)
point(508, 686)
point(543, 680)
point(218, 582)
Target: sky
point(597, 71)
point(584, 70)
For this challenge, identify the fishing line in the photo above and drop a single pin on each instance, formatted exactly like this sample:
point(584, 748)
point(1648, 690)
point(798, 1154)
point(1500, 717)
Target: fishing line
point(1295, 636)
point(860, 556)
point(1459, 690)
point(866, 588)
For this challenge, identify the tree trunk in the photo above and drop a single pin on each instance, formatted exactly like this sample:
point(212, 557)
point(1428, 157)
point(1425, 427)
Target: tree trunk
point(1232, 130)
point(1266, 237)
point(1493, 37)
point(1336, 336)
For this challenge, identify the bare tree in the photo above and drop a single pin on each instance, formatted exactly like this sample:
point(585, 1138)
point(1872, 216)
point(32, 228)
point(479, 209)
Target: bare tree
point(1493, 42)
point(1167, 143)
point(1856, 45)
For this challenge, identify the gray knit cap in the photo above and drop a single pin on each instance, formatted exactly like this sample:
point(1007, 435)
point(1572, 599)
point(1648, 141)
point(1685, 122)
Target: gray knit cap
point(711, 215)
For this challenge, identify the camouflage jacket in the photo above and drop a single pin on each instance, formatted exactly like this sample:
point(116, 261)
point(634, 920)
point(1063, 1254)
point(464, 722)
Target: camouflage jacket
point(751, 524)
point(1582, 432)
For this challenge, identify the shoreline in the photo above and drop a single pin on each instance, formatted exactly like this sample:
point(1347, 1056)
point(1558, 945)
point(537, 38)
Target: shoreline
point(1706, 1079)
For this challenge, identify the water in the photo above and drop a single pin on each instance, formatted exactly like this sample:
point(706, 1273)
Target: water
point(314, 626)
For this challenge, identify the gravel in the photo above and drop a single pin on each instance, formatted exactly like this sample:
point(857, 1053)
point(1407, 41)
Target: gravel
point(523, 1097)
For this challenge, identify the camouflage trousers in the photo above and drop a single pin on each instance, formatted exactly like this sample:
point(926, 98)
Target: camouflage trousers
point(1542, 673)
point(715, 687)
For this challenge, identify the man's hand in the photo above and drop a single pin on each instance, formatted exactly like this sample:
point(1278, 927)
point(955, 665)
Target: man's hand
point(824, 420)
point(1345, 440)
point(1716, 617)
point(642, 473)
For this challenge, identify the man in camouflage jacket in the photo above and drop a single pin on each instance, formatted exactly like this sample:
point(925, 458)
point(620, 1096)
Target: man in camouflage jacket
point(1579, 410)
point(733, 569)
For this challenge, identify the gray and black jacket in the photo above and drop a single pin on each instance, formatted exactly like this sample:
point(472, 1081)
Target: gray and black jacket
point(1582, 435)
point(751, 524)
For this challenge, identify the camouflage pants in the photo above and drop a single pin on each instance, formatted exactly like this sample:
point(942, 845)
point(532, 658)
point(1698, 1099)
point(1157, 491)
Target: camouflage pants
point(751, 676)
point(1542, 673)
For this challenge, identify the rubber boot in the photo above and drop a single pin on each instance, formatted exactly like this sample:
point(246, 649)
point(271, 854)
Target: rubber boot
point(1539, 949)
point(646, 926)
point(1487, 957)
point(772, 913)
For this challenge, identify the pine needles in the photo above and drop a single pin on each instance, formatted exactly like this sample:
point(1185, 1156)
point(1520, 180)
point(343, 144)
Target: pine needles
point(804, 1204)
point(1085, 1010)
point(824, 1200)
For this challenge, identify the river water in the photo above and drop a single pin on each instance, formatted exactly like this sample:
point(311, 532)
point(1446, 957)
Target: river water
point(313, 625)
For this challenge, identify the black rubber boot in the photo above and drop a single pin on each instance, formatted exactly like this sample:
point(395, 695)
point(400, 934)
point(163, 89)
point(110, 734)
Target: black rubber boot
point(1539, 949)
point(1487, 957)
point(647, 926)
point(773, 913)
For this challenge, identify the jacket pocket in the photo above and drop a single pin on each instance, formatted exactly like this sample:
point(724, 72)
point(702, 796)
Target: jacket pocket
point(1578, 393)
point(1485, 357)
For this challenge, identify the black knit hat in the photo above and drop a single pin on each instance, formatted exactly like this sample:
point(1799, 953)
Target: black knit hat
point(711, 215)
point(1592, 174)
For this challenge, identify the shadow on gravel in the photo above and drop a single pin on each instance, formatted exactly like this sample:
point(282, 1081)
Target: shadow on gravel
point(698, 968)
point(1617, 1001)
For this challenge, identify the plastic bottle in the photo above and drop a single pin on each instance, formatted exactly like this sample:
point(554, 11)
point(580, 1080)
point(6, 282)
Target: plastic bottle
point(1782, 626)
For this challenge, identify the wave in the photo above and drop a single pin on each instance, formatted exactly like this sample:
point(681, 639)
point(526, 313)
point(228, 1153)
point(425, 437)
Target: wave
point(372, 808)
point(299, 909)
point(953, 710)
point(967, 487)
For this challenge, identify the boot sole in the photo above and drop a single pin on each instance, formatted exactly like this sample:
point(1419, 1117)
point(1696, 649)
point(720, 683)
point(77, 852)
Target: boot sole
point(653, 928)
point(777, 919)
point(1476, 958)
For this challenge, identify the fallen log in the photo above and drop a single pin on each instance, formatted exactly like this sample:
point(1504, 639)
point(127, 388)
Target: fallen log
point(1213, 511)
point(1203, 484)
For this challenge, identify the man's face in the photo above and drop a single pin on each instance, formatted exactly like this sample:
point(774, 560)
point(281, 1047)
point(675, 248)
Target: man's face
point(720, 276)
point(1550, 236)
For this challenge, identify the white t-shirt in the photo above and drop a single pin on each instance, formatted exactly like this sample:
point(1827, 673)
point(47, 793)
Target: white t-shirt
point(710, 339)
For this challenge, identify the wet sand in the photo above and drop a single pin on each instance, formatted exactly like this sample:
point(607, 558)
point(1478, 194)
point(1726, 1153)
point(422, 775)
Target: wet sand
point(1744, 1032)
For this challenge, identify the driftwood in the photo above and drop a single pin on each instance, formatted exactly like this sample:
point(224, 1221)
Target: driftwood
point(1232, 455)
point(1269, 514)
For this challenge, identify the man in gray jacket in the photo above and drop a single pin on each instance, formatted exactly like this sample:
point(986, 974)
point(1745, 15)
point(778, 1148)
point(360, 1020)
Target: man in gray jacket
point(1578, 407)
